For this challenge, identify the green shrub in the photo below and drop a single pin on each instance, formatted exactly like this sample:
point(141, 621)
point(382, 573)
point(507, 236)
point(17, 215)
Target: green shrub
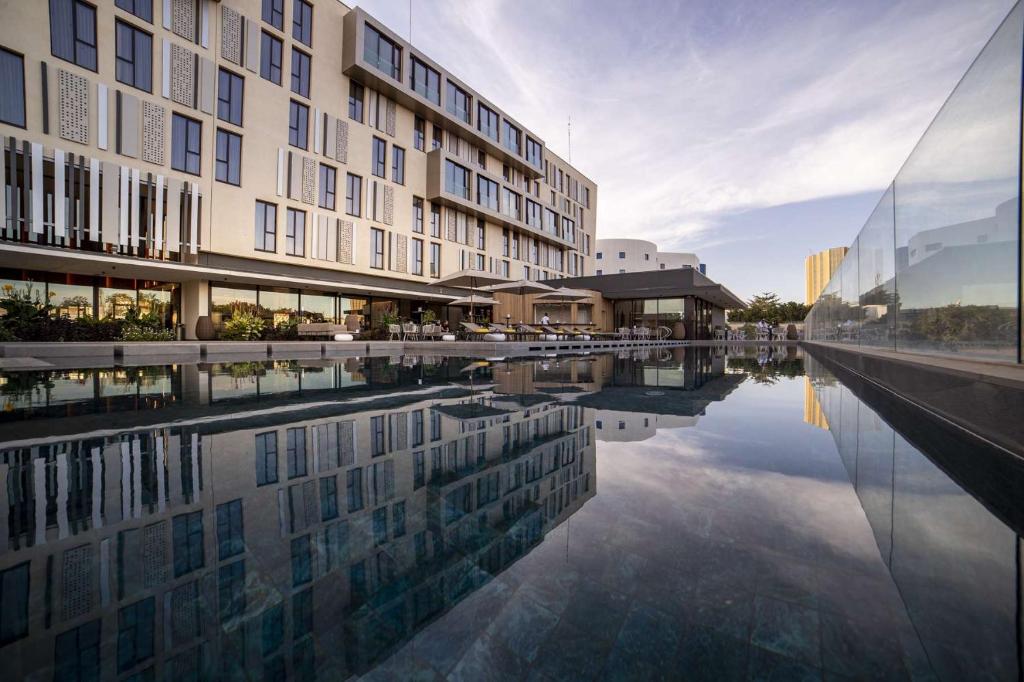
point(243, 326)
point(138, 332)
point(286, 331)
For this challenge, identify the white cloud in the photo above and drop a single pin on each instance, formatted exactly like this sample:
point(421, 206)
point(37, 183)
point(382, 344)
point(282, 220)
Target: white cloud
point(686, 112)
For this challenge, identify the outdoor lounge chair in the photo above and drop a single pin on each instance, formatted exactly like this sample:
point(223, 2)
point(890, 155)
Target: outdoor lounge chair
point(479, 333)
point(555, 332)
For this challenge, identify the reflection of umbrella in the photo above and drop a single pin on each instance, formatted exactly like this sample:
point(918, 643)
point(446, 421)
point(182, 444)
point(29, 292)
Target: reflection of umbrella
point(521, 287)
point(470, 279)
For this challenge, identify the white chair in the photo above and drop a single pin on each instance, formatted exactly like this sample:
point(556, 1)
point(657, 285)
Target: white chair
point(394, 332)
point(410, 331)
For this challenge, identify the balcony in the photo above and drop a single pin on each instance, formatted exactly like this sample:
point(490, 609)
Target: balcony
point(355, 65)
point(438, 193)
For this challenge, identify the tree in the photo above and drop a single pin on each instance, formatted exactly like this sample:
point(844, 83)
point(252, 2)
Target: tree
point(768, 307)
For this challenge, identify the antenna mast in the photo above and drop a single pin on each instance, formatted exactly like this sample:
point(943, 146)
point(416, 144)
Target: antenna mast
point(410, 22)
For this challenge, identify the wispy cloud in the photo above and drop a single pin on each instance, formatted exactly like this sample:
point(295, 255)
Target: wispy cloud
point(687, 112)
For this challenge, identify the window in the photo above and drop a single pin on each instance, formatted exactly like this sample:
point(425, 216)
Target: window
point(328, 180)
point(187, 534)
point(328, 498)
point(436, 142)
point(353, 195)
point(12, 88)
point(511, 203)
point(300, 72)
point(76, 653)
point(133, 64)
point(417, 256)
point(504, 242)
point(14, 593)
point(533, 151)
point(457, 102)
point(135, 626)
point(302, 22)
point(273, 13)
point(481, 158)
point(487, 121)
point(73, 32)
point(382, 53)
point(354, 489)
point(231, 590)
point(295, 452)
point(298, 125)
point(295, 233)
point(266, 226)
point(380, 526)
point(533, 214)
point(419, 134)
point(481, 234)
point(230, 91)
point(435, 259)
point(486, 192)
point(302, 567)
point(622, 254)
point(186, 141)
point(456, 179)
point(230, 530)
point(229, 157)
point(270, 58)
point(376, 248)
point(426, 81)
point(355, 101)
point(266, 457)
point(647, 256)
point(435, 221)
point(598, 255)
point(397, 165)
point(511, 136)
point(417, 215)
point(143, 9)
point(380, 151)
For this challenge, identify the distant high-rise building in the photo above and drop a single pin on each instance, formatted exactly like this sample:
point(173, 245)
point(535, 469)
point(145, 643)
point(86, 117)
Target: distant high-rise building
point(818, 269)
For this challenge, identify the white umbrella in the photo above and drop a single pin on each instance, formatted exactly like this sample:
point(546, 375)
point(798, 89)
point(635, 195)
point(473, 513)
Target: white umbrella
point(474, 299)
point(470, 279)
point(566, 294)
point(521, 287)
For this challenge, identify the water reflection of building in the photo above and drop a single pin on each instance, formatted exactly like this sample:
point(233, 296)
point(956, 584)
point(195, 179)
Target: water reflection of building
point(945, 512)
point(272, 538)
point(813, 414)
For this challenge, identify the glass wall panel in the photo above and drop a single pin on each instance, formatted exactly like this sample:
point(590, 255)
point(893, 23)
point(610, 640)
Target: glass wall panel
point(159, 300)
point(877, 278)
point(957, 226)
point(69, 300)
point(849, 301)
point(279, 306)
point(318, 307)
point(115, 303)
point(225, 300)
point(353, 310)
point(558, 312)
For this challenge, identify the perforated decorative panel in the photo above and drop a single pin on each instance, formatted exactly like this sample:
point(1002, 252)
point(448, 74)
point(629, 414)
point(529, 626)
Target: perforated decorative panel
point(183, 76)
point(153, 123)
point(389, 205)
point(76, 582)
point(154, 554)
point(183, 18)
point(341, 143)
point(185, 616)
point(308, 181)
point(452, 234)
point(231, 35)
point(389, 117)
point(345, 230)
point(73, 106)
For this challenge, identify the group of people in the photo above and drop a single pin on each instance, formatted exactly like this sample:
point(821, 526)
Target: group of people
point(764, 327)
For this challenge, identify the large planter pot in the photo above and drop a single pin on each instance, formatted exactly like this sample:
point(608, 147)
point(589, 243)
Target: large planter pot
point(205, 330)
point(678, 331)
point(791, 333)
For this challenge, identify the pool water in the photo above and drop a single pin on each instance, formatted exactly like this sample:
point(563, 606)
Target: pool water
point(684, 513)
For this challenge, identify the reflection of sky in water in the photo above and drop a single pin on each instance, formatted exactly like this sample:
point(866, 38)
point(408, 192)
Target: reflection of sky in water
point(347, 528)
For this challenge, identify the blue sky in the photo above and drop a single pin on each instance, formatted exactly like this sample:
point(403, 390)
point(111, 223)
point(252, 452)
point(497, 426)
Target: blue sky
point(750, 132)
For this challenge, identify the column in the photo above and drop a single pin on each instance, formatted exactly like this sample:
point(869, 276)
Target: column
point(195, 302)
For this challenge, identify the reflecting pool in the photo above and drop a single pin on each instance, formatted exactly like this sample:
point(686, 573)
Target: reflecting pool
point(683, 513)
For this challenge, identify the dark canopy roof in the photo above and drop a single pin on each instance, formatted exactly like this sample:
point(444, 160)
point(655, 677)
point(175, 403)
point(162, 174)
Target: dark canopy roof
point(673, 283)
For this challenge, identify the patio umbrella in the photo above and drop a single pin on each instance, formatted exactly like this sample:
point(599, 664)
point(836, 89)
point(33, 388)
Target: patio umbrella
point(474, 299)
point(521, 287)
point(565, 294)
point(470, 279)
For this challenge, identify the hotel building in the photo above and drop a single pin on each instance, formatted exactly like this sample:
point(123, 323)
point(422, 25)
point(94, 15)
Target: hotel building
point(294, 156)
point(613, 256)
point(818, 270)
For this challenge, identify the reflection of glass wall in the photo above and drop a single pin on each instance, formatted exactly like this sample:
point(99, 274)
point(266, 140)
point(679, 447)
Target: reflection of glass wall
point(936, 267)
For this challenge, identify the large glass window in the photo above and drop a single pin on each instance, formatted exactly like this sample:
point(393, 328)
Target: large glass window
point(318, 307)
point(456, 179)
point(270, 58)
point(266, 226)
point(419, 134)
point(134, 56)
point(298, 125)
point(511, 136)
point(353, 195)
point(376, 248)
point(877, 271)
point(186, 144)
point(302, 22)
point(230, 96)
point(435, 259)
point(355, 101)
point(273, 13)
point(533, 151)
point(135, 627)
point(229, 157)
point(382, 53)
point(295, 233)
point(328, 180)
point(417, 215)
point(511, 203)
point(426, 81)
point(486, 193)
point(458, 102)
point(487, 121)
point(230, 530)
point(12, 88)
point(417, 256)
point(380, 153)
point(279, 306)
point(14, 591)
point(73, 32)
point(300, 72)
point(76, 653)
point(143, 9)
point(533, 214)
point(188, 542)
point(397, 165)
